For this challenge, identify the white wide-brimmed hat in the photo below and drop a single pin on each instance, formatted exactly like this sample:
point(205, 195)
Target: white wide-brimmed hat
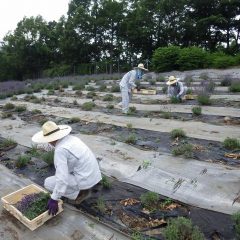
point(172, 80)
point(51, 132)
point(141, 66)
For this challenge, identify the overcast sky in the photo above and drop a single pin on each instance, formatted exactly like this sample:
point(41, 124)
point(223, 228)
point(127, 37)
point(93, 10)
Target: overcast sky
point(13, 11)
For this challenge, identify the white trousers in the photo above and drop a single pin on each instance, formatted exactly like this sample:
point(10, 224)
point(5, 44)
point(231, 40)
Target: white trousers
point(126, 97)
point(71, 192)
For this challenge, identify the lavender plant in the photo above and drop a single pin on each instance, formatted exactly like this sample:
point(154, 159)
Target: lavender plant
point(33, 205)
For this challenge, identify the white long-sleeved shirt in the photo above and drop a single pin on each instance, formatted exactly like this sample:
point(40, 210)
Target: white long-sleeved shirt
point(176, 90)
point(73, 157)
point(128, 80)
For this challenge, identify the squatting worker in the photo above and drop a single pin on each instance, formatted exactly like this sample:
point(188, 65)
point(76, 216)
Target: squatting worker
point(127, 84)
point(77, 169)
point(176, 88)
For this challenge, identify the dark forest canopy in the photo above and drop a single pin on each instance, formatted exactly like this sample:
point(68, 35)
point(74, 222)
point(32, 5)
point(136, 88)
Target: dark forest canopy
point(118, 32)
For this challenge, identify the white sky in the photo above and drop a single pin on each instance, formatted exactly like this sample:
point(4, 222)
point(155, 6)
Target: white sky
point(13, 11)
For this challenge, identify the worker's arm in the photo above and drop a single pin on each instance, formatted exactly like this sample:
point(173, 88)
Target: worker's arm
point(60, 162)
point(181, 89)
point(132, 79)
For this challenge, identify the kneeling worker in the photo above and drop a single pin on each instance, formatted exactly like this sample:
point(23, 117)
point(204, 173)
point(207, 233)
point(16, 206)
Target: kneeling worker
point(176, 88)
point(77, 169)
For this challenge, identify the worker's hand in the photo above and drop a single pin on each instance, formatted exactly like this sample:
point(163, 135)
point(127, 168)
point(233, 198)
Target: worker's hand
point(52, 207)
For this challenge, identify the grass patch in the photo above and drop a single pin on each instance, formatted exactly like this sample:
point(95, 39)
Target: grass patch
point(21, 108)
point(131, 139)
point(101, 206)
point(235, 87)
point(108, 97)
point(8, 106)
point(131, 110)
point(6, 115)
point(231, 143)
point(78, 87)
point(149, 199)
point(197, 111)
point(182, 228)
point(102, 88)
point(22, 161)
point(115, 88)
point(177, 133)
point(75, 102)
point(236, 220)
point(175, 100)
point(48, 157)
point(36, 111)
point(185, 149)
point(204, 100)
point(106, 183)
point(88, 106)
point(74, 120)
point(91, 95)
point(90, 88)
point(14, 98)
point(166, 115)
point(7, 143)
point(110, 106)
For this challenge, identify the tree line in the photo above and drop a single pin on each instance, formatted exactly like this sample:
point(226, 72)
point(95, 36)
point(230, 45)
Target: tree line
point(113, 35)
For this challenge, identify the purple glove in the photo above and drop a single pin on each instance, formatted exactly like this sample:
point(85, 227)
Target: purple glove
point(52, 207)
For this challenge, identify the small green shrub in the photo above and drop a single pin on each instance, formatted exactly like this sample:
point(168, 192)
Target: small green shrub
point(175, 100)
point(78, 87)
point(226, 81)
point(105, 182)
point(79, 93)
point(164, 89)
point(8, 142)
point(108, 97)
point(75, 102)
point(56, 100)
point(48, 157)
point(146, 164)
point(132, 110)
point(235, 87)
point(189, 91)
point(102, 88)
point(88, 106)
point(178, 132)
point(166, 115)
point(149, 199)
point(14, 98)
point(34, 151)
point(36, 100)
point(131, 139)
point(161, 79)
point(51, 92)
point(115, 88)
point(36, 111)
point(74, 120)
point(101, 206)
point(152, 82)
point(204, 99)
point(182, 228)
point(236, 220)
point(129, 125)
point(91, 95)
point(90, 88)
point(110, 106)
point(22, 161)
point(197, 111)
point(185, 149)
point(8, 106)
point(21, 108)
point(6, 115)
point(231, 143)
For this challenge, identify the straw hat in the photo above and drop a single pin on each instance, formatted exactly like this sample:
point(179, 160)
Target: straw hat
point(51, 132)
point(172, 80)
point(141, 66)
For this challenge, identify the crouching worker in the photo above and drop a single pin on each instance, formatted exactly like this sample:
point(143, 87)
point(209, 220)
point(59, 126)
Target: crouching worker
point(127, 84)
point(176, 88)
point(77, 169)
